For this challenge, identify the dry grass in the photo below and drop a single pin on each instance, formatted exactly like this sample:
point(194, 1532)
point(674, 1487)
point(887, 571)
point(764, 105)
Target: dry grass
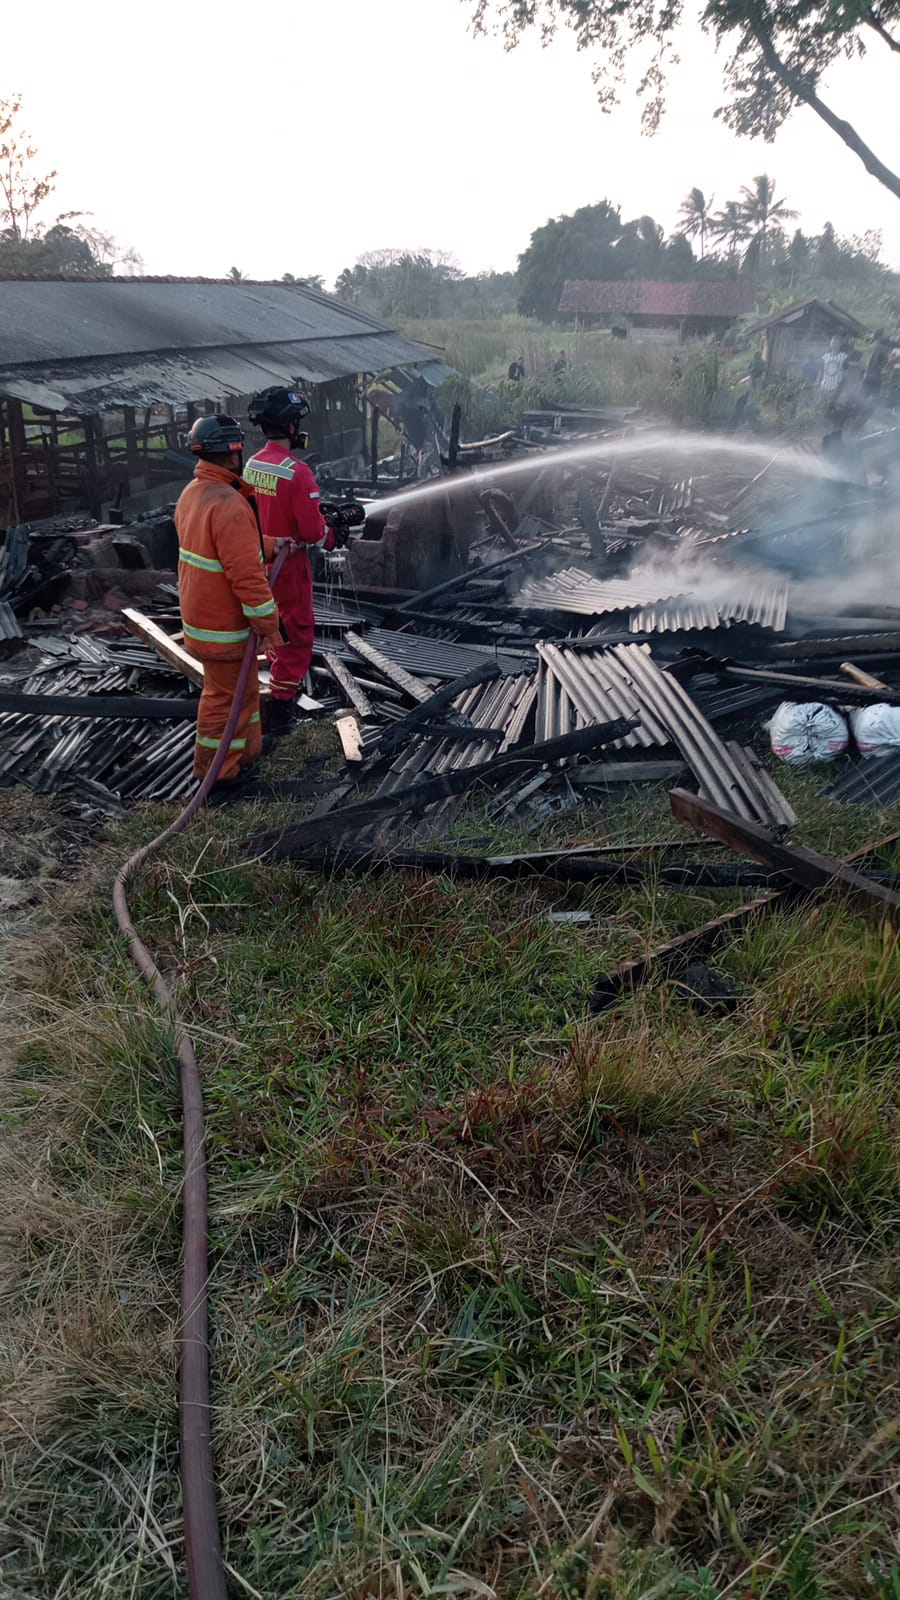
point(506, 1302)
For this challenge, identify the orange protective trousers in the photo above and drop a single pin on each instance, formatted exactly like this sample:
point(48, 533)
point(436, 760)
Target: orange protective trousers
point(219, 683)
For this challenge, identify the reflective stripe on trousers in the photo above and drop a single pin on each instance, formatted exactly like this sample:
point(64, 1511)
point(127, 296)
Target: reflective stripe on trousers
point(219, 683)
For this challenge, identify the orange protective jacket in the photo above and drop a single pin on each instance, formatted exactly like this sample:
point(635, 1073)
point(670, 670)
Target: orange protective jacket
point(221, 572)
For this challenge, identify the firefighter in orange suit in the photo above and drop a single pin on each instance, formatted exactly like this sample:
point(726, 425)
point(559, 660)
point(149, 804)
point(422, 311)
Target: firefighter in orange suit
point(224, 595)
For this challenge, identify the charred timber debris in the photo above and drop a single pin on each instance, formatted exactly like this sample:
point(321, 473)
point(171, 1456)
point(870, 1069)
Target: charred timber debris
point(604, 624)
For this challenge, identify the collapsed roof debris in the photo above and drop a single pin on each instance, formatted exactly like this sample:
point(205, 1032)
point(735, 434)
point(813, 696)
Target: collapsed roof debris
point(600, 590)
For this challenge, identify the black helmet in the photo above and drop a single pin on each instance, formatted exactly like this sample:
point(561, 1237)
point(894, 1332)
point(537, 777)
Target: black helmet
point(215, 436)
point(278, 411)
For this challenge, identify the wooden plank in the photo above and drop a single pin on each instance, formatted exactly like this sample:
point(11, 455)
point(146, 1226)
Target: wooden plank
point(349, 735)
point(575, 868)
point(166, 648)
point(396, 675)
point(805, 867)
point(345, 680)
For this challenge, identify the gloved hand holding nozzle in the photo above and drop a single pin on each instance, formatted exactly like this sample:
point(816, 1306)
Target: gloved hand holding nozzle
point(341, 516)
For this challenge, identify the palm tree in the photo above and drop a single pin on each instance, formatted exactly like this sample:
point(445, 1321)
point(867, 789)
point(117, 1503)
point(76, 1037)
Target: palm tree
point(763, 214)
point(730, 224)
point(695, 215)
point(235, 274)
point(350, 283)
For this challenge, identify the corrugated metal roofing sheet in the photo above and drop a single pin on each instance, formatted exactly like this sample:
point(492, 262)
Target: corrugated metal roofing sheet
point(580, 592)
point(577, 688)
point(429, 658)
point(9, 623)
point(66, 320)
point(767, 608)
point(89, 346)
point(504, 705)
point(872, 782)
point(93, 386)
point(656, 299)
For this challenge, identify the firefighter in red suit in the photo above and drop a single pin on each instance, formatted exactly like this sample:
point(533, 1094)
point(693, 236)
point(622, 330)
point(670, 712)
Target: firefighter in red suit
point(287, 497)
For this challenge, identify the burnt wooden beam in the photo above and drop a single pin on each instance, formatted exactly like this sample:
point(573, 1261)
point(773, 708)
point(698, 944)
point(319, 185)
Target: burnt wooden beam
point(823, 688)
point(804, 867)
point(562, 868)
point(861, 644)
point(589, 518)
point(394, 737)
point(495, 518)
point(98, 706)
point(700, 941)
point(151, 633)
point(415, 601)
point(666, 957)
point(373, 448)
point(293, 839)
point(453, 448)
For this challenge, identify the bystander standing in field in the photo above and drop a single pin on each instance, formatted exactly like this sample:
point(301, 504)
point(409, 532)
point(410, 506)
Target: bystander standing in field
point(831, 381)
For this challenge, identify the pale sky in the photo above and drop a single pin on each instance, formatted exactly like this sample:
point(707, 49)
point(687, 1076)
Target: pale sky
point(291, 140)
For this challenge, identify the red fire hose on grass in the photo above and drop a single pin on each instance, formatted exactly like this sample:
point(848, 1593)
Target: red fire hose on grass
point(203, 1550)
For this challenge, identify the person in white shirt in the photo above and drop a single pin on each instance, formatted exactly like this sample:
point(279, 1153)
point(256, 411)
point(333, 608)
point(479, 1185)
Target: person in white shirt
point(833, 363)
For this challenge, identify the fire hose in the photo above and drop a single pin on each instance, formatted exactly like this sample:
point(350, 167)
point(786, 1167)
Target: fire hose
point(203, 1550)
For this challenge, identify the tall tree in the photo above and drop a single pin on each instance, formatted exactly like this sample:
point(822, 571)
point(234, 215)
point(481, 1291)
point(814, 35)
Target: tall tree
point(777, 53)
point(763, 216)
point(592, 243)
point(21, 189)
point(729, 226)
point(695, 215)
point(71, 247)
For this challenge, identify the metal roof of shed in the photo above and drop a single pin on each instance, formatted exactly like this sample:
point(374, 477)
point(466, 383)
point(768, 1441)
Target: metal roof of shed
point(91, 345)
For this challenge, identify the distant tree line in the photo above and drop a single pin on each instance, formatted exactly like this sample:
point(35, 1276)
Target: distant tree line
point(422, 284)
point(745, 238)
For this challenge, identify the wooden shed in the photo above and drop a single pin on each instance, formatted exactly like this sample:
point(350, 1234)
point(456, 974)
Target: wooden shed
point(802, 332)
point(676, 311)
point(99, 377)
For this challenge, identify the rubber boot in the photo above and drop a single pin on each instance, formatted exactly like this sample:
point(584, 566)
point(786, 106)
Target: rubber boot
point(282, 718)
point(230, 790)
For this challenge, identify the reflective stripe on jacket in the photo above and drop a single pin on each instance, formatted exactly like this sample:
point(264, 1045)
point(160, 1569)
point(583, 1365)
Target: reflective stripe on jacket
point(287, 496)
point(221, 576)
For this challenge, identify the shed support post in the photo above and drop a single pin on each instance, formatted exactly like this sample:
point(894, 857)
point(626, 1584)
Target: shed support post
point(94, 485)
point(17, 449)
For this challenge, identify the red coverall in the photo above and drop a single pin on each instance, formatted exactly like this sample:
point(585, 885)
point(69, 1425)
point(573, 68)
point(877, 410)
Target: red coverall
point(287, 497)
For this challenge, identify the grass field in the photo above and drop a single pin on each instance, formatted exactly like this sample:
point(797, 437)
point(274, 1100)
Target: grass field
point(506, 1302)
point(702, 387)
